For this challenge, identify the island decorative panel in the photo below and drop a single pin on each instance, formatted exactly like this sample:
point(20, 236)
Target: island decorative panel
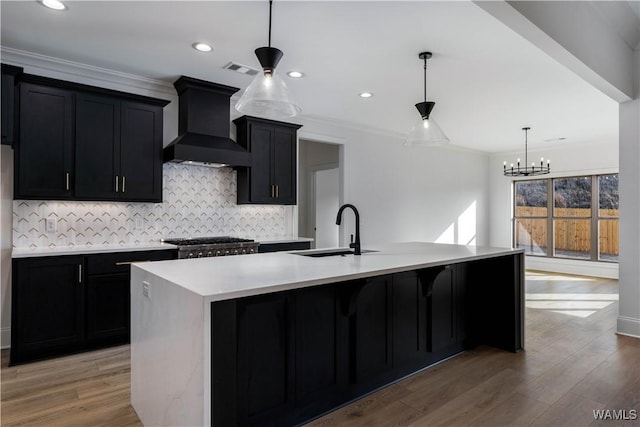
point(197, 201)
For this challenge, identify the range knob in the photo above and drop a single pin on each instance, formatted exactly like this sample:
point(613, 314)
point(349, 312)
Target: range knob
point(218, 252)
point(190, 255)
point(209, 253)
point(227, 252)
point(200, 254)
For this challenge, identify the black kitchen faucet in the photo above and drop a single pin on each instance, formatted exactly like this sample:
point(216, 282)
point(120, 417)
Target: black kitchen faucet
point(355, 245)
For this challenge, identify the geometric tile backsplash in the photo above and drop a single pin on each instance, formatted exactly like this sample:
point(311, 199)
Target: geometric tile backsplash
point(197, 201)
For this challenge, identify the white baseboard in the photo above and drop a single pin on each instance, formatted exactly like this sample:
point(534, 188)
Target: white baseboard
point(5, 338)
point(608, 270)
point(628, 326)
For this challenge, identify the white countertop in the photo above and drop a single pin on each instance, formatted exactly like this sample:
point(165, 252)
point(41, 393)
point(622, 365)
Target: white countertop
point(81, 250)
point(221, 278)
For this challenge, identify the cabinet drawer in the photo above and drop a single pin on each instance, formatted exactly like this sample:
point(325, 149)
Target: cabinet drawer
point(287, 246)
point(119, 262)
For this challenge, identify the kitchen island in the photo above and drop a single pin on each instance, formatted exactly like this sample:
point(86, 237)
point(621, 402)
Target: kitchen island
point(280, 338)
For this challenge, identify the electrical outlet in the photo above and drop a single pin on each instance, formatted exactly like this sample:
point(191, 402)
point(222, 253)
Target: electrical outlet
point(145, 289)
point(51, 225)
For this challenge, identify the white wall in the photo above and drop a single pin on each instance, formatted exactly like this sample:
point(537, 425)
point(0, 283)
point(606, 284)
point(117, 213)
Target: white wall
point(312, 156)
point(410, 194)
point(566, 160)
point(629, 307)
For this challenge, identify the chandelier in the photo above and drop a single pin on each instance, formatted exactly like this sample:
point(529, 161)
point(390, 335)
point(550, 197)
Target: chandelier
point(527, 170)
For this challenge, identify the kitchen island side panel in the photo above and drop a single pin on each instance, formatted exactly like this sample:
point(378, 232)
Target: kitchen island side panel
point(168, 373)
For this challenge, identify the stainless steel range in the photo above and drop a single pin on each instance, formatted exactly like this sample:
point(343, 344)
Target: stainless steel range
point(201, 247)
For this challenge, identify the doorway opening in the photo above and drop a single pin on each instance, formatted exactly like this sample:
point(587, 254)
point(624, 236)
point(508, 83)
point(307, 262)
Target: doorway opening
point(319, 186)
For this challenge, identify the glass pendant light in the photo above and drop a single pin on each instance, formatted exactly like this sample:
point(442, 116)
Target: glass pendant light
point(267, 95)
point(425, 132)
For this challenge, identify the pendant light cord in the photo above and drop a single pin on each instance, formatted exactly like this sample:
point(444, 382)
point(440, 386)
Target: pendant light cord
point(425, 79)
point(526, 149)
point(270, 6)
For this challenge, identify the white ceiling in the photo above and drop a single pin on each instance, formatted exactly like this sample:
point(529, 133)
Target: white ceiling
point(487, 81)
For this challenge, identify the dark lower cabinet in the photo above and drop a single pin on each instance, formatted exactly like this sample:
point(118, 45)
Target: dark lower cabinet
point(370, 331)
point(284, 358)
point(108, 305)
point(265, 358)
point(47, 314)
point(67, 304)
point(321, 345)
point(409, 320)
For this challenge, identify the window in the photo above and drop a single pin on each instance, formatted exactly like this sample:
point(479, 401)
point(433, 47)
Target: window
point(608, 217)
point(558, 217)
point(531, 216)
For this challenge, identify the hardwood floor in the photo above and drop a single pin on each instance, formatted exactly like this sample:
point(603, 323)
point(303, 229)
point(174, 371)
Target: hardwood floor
point(574, 363)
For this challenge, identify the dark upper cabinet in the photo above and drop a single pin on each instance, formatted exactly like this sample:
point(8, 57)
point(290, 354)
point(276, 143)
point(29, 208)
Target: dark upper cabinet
point(47, 314)
point(141, 152)
point(97, 146)
point(9, 73)
point(272, 177)
point(43, 159)
point(118, 149)
point(85, 143)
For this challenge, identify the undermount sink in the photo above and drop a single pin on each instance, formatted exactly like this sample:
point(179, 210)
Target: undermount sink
point(329, 252)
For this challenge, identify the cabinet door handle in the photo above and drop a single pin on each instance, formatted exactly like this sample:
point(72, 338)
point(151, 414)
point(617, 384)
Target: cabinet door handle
point(272, 191)
point(116, 183)
point(277, 191)
point(67, 181)
point(79, 273)
point(124, 181)
point(130, 262)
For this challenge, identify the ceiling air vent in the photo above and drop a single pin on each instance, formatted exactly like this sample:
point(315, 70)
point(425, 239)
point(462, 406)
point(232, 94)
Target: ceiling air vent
point(243, 69)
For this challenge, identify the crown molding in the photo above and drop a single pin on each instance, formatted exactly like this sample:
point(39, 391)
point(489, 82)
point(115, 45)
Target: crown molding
point(356, 127)
point(83, 73)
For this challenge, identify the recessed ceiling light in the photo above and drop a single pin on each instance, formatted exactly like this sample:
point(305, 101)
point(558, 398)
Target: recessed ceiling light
point(202, 47)
point(53, 4)
point(365, 94)
point(294, 74)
